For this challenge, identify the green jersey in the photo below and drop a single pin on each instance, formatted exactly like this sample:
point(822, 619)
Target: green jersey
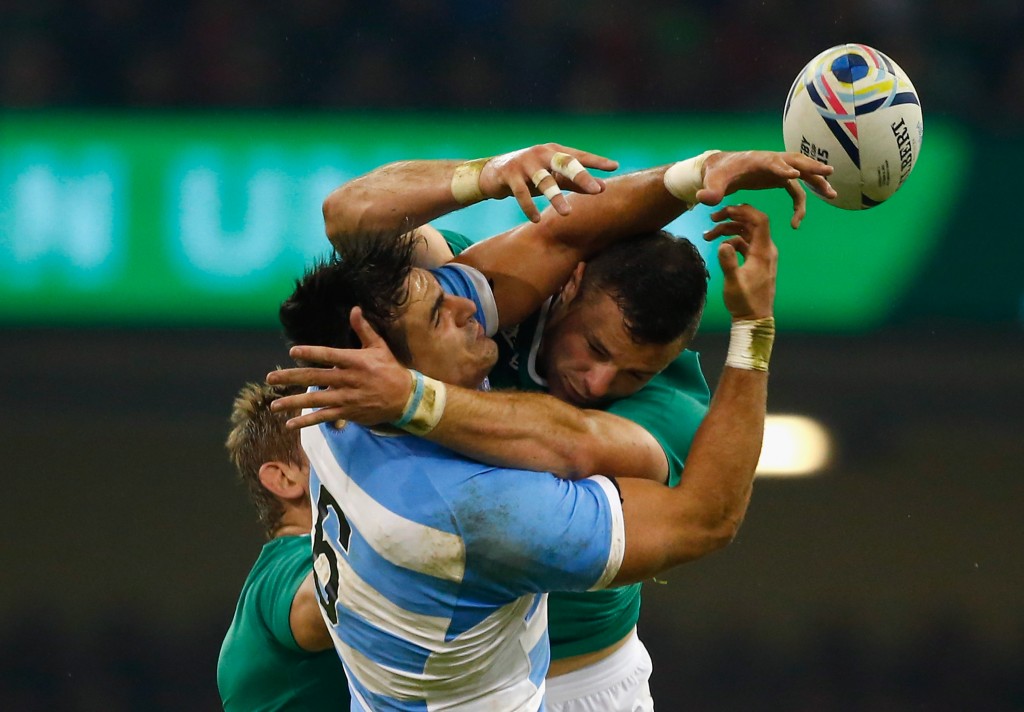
point(670, 407)
point(261, 667)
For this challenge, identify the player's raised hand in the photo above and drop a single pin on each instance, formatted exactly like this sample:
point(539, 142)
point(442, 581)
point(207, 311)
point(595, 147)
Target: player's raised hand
point(367, 386)
point(727, 172)
point(546, 169)
point(749, 290)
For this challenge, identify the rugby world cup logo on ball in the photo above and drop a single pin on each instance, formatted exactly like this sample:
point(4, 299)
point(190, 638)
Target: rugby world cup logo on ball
point(855, 109)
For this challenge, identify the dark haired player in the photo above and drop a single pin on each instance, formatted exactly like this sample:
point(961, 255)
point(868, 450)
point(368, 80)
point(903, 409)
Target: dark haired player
point(613, 337)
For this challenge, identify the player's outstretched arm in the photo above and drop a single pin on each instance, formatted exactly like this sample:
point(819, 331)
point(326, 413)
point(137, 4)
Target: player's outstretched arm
point(727, 173)
point(408, 194)
point(532, 261)
point(531, 431)
point(667, 527)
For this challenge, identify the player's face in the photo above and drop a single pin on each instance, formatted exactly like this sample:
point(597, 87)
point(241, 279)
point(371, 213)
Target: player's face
point(589, 356)
point(445, 339)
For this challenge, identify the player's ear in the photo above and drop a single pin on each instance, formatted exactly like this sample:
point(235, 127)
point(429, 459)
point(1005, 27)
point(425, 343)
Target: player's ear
point(571, 289)
point(283, 479)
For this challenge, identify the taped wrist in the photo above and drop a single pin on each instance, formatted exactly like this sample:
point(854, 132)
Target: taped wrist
point(466, 181)
point(425, 406)
point(685, 178)
point(750, 344)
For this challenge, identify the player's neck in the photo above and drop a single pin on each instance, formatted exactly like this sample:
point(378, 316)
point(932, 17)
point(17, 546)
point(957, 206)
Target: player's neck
point(296, 521)
point(289, 530)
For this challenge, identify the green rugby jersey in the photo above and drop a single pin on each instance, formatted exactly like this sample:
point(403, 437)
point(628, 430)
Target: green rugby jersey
point(261, 667)
point(670, 407)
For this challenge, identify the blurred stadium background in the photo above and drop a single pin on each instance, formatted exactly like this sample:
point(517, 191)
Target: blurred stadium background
point(161, 168)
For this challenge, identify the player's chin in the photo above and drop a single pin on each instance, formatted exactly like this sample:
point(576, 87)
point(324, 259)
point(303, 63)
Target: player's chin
point(487, 356)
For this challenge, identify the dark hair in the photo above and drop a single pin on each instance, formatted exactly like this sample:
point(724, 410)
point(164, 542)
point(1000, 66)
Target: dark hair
point(659, 281)
point(368, 271)
point(258, 436)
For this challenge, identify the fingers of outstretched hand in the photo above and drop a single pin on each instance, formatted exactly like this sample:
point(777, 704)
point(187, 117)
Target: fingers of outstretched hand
point(724, 228)
point(812, 172)
point(738, 243)
point(585, 159)
point(546, 184)
point(807, 165)
point(728, 172)
point(565, 165)
point(728, 260)
point(745, 220)
point(309, 399)
point(710, 196)
point(820, 185)
point(325, 355)
point(569, 166)
point(525, 199)
point(322, 377)
point(796, 191)
point(366, 333)
point(324, 415)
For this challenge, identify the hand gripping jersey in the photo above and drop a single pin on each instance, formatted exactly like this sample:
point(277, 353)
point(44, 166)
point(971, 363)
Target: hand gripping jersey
point(431, 569)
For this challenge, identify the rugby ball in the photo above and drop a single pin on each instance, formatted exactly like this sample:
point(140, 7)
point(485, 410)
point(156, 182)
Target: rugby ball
point(853, 108)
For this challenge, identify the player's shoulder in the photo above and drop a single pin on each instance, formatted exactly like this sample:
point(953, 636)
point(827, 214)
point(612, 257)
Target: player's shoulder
point(282, 557)
point(684, 377)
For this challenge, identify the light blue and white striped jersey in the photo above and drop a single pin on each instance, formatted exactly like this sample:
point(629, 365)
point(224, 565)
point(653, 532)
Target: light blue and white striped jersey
point(432, 569)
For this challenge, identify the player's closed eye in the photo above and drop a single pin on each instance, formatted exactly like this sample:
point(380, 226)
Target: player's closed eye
point(435, 311)
point(597, 350)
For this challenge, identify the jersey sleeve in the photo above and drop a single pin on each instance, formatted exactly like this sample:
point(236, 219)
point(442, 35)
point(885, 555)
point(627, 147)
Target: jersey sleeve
point(530, 532)
point(670, 407)
point(456, 241)
point(278, 586)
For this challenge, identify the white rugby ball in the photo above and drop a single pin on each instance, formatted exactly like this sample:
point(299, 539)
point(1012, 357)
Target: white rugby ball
point(854, 108)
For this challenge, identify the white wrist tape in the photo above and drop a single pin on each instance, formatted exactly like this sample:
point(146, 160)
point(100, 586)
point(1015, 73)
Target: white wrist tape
point(425, 406)
point(685, 178)
point(466, 181)
point(750, 344)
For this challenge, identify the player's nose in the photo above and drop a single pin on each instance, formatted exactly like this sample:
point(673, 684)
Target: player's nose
point(462, 310)
point(598, 380)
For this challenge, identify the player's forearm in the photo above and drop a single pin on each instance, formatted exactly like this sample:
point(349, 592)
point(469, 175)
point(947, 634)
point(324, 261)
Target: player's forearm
point(667, 527)
point(529, 263)
point(630, 204)
point(539, 432)
point(400, 195)
point(715, 491)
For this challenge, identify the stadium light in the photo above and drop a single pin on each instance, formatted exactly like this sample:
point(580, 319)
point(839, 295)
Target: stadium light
point(794, 446)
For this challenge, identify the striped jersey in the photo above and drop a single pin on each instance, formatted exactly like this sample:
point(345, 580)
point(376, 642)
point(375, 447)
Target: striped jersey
point(432, 569)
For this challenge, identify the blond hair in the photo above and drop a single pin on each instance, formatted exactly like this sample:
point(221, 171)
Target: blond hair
point(259, 435)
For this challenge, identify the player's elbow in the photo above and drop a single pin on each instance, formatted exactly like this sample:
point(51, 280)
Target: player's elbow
point(709, 532)
point(587, 454)
point(719, 534)
point(571, 462)
point(344, 214)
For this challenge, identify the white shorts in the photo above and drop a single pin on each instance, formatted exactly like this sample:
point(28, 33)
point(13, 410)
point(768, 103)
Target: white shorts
point(619, 683)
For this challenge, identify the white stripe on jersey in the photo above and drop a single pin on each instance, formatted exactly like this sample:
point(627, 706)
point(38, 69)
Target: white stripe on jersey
point(482, 658)
point(435, 553)
point(367, 602)
point(618, 543)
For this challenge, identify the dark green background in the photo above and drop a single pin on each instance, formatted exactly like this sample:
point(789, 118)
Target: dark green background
point(842, 271)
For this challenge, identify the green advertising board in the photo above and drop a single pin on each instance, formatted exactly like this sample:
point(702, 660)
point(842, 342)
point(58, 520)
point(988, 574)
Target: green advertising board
point(207, 219)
